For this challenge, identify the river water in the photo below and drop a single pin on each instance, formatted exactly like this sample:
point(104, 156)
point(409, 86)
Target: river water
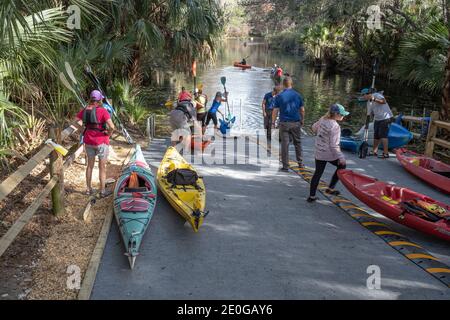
point(319, 89)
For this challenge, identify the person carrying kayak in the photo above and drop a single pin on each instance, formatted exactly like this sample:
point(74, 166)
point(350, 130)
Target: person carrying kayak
point(267, 108)
point(98, 127)
point(201, 100)
point(289, 104)
point(327, 148)
point(212, 112)
point(184, 95)
point(382, 116)
point(181, 119)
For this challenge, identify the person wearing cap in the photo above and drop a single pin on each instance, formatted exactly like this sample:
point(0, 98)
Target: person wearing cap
point(201, 100)
point(382, 116)
point(289, 105)
point(212, 112)
point(98, 127)
point(327, 148)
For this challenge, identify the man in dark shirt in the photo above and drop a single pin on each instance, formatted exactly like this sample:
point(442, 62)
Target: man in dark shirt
point(289, 104)
point(267, 108)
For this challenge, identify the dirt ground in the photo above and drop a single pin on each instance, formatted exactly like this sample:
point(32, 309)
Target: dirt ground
point(40, 261)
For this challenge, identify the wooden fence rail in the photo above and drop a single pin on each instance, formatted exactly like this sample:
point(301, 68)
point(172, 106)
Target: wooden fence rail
point(54, 185)
point(431, 139)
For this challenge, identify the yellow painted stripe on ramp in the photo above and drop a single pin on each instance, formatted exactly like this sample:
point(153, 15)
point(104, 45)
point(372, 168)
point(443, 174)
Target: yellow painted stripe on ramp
point(438, 270)
point(385, 232)
point(404, 243)
point(357, 215)
point(373, 223)
point(421, 256)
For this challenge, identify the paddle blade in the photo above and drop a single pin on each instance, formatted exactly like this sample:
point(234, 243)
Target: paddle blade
point(223, 80)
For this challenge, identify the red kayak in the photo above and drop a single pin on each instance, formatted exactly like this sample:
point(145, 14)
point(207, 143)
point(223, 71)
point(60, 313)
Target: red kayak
point(242, 66)
point(429, 170)
point(198, 144)
point(400, 204)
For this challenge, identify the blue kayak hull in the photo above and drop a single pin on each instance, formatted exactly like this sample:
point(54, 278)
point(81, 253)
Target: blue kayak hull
point(398, 137)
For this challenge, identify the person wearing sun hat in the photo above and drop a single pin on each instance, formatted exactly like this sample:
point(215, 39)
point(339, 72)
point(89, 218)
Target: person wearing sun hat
point(327, 148)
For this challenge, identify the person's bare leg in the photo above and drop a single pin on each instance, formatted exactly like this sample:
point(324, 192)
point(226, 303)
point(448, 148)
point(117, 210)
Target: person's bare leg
point(89, 169)
point(376, 143)
point(102, 173)
point(385, 143)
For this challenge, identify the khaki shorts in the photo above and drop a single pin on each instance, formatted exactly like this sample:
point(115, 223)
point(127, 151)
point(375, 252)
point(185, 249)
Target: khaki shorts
point(101, 151)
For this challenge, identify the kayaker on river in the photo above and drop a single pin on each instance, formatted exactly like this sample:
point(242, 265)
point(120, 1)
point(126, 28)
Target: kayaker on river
point(289, 104)
point(212, 112)
point(327, 148)
point(244, 62)
point(267, 108)
point(98, 127)
point(383, 117)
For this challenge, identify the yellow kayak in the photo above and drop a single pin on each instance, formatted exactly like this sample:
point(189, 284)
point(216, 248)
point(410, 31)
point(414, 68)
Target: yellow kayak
point(182, 187)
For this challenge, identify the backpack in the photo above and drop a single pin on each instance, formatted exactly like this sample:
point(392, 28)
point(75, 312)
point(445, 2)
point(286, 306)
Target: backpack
point(184, 108)
point(182, 177)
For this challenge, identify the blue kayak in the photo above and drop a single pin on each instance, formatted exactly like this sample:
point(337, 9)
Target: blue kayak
point(398, 137)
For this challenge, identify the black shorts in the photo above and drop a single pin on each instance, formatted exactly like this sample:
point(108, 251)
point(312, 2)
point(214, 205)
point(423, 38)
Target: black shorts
point(268, 119)
point(213, 117)
point(202, 118)
point(381, 129)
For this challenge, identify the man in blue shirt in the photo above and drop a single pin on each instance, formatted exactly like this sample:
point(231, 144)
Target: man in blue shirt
point(289, 104)
point(267, 108)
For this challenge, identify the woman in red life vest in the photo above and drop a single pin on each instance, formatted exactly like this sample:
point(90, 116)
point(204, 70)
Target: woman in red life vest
point(98, 127)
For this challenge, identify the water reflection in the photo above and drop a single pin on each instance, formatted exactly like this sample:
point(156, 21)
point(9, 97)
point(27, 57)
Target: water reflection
point(319, 89)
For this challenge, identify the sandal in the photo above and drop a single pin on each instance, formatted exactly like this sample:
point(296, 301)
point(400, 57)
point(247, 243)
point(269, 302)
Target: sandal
point(332, 192)
point(372, 154)
point(105, 193)
point(383, 156)
point(89, 192)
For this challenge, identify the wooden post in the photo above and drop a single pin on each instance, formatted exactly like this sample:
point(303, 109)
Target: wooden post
point(57, 169)
point(432, 130)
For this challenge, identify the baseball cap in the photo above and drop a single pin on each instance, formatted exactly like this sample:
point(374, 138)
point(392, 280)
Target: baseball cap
point(96, 95)
point(338, 109)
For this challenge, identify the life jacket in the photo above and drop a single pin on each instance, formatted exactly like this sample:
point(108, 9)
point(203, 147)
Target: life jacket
point(91, 122)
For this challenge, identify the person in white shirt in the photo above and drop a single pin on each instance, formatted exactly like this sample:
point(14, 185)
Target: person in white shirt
point(378, 107)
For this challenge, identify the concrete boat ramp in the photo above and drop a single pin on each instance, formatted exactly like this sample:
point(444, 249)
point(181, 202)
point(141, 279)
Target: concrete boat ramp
point(262, 240)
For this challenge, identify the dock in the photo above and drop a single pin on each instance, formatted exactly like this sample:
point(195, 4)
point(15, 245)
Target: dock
point(262, 240)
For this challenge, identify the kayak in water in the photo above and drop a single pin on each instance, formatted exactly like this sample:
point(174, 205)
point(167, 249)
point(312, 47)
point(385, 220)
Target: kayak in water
point(242, 66)
point(398, 137)
point(402, 205)
point(434, 172)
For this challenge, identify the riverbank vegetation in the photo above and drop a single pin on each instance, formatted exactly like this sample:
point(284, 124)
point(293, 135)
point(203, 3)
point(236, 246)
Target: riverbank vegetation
point(128, 44)
point(409, 39)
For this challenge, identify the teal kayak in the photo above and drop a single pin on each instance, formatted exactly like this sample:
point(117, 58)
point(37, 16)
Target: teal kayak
point(134, 203)
point(398, 137)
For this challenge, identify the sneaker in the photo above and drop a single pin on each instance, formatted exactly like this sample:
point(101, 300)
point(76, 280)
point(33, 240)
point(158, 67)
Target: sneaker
point(284, 169)
point(332, 192)
point(105, 193)
point(311, 199)
point(301, 165)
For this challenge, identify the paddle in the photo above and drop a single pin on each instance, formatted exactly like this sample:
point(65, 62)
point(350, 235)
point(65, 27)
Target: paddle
point(364, 148)
point(96, 82)
point(229, 119)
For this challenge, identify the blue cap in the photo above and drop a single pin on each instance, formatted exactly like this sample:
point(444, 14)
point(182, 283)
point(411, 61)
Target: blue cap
point(365, 91)
point(338, 109)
